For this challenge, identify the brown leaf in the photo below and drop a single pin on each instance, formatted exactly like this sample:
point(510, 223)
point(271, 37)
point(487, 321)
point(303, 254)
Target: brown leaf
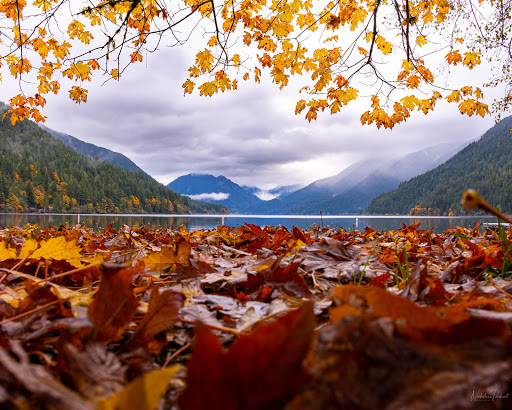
point(336, 260)
point(29, 385)
point(161, 315)
point(360, 363)
point(114, 303)
point(94, 372)
point(261, 370)
point(39, 296)
point(422, 287)
point(428, 324)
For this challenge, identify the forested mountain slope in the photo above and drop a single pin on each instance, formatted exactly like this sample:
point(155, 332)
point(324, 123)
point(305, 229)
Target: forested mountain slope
point(37, 171)
point(93, 151)
point(484, 165)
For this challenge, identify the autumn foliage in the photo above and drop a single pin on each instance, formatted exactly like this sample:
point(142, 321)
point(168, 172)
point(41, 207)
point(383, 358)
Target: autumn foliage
point(254, 318)
point(404, 50)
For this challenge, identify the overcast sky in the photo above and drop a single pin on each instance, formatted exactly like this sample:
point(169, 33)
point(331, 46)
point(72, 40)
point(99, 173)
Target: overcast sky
point(251, 135)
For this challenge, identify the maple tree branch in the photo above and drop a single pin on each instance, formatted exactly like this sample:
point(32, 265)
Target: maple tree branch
point(29, 312)
point(408, 21)
point(375, 31)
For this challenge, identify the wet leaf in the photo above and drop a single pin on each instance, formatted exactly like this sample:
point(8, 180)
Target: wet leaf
point(177, 253)
point(161, 315)
point(422, 324)
point(114, 303)
point(261, 370)
point(58, 248)
point(30, 385)
point(361, 363)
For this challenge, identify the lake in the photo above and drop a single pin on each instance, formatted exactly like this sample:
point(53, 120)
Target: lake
point(98, 221)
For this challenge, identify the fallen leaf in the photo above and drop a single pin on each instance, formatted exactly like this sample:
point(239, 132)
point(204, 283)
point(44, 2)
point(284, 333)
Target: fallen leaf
point(177, 253)
point(114, 303)
point(57, 248)
point(161, 315)
point(262, 369)
point(143, 393)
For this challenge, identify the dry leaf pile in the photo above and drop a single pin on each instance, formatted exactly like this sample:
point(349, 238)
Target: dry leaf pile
point(253, 318)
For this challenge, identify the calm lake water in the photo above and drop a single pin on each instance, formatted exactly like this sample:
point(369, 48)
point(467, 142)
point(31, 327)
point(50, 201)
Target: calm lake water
point(439, 224)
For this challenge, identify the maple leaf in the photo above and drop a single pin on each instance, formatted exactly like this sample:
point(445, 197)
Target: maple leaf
point(188, 86)
point(454, 96)
point(204, 60)
point(78, 94)
point(135, 56)
point(209, 88)
point(57, 248)
point(421, 40)
point(471, 59)
point(114, 303)
point(257, 371)
point(161, 315)
point(177, 253)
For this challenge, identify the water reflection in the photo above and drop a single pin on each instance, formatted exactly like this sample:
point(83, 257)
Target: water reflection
point(97, 222)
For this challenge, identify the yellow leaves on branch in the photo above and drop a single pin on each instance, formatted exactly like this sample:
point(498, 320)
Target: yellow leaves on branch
point(274, 35)
point(77, 30)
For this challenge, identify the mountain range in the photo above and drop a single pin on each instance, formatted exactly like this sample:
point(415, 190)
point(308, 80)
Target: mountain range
point(484, 165)
point(36, 170)
point(348, 192)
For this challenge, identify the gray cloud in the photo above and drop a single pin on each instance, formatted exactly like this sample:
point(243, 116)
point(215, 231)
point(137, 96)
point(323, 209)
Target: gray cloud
point(250, 135)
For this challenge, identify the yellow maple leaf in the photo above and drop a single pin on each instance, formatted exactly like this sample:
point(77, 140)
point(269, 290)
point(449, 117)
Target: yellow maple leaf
point(471, 59)
point(362, 51)
point(7, 253)
point(188, 86)
point(57, 248)
point(204, 59)
point(467, 107)
point(145, 392)
point(78, 94)
point(82, 71)
point(454, 96)
point(410, 102)
point(209, 88)
point(421, 40)
point(335, 107)
point(168, 256)
point(236, 60)
point(212, 42)
point(301, 105)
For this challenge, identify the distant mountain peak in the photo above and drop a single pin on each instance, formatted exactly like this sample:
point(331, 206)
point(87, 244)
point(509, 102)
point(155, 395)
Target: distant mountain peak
point(220, 190)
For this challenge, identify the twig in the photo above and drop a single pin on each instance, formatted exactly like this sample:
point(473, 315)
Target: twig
point(176, 353)
point(29, 312)
point(500, 289)
point(215, 327)
point(61, 275)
